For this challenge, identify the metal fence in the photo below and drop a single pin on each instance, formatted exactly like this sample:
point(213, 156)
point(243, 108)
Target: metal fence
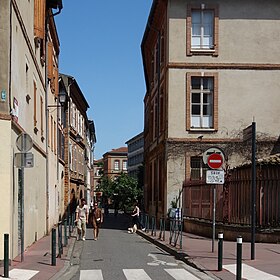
point(233, 199)
point(172, 228)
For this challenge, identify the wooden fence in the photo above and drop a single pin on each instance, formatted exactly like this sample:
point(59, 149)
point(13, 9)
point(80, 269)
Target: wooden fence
point(233, 199)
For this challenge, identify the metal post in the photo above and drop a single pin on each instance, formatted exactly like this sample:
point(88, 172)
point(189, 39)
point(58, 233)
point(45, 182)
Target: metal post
point(239, 259)
point(181, 233)
point(253, 195)
point(214, 219)
point(68, 221)
point(220, 251)
point(6, 255)
point(21, 172)
point(53, 246)
point(60, 246)
point(65, 233)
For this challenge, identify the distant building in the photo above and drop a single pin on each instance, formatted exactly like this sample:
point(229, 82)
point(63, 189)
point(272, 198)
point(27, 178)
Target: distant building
point(115, 162)
point(135, 156)
point(96, 173)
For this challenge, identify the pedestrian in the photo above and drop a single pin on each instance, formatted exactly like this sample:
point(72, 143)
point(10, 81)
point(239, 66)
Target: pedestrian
point(82, 219)
point(97, 220)
point(135, 217)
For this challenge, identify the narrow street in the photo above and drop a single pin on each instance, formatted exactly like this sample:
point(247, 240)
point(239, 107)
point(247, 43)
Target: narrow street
point(120, 255)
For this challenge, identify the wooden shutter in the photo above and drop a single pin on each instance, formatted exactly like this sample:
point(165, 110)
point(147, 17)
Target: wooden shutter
point(39, 18)
point(56, 81)
point(50, 60)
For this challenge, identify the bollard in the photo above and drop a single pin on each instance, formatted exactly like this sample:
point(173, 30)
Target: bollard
point(53, 246)
point(60, 246)
point(239, 259)
point(6, 255)
point(220, 251)
point(65, 233)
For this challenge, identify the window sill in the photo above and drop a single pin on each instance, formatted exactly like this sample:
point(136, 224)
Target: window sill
point(202, 129)
point(203, 52)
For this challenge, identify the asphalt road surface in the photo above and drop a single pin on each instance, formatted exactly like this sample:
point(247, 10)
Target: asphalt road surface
point(118, 255)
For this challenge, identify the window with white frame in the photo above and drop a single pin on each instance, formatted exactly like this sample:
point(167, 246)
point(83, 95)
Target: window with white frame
point(202, 102)
point(124, 163)
point(116, 165)
point(202, 29)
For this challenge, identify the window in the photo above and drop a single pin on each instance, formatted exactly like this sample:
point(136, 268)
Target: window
point(124, 165)
point(202, 29)
point(35, 103)
point(198, 168)
point(52, 130)
point(42, 115)
point(202, 101)
point(27, 79)
point(116, 165)
point(54, 136)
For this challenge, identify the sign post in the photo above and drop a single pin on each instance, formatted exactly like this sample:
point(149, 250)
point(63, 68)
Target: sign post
point(214, 157)
point(249, 133)
point(253, 203)
point(24, 143)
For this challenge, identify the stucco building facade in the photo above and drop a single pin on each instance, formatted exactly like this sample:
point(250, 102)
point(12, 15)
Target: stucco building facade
point(211, 68)
point(29, 84)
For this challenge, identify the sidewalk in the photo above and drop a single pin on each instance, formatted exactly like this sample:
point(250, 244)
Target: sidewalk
point(197, 251)
point(38, 259)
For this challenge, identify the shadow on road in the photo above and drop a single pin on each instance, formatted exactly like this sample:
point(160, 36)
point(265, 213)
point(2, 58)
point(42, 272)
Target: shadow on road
point(119, 222)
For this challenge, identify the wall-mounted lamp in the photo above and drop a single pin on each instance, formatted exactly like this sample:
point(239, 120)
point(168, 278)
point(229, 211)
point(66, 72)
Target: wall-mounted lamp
point(79, 138)
point(62, 99)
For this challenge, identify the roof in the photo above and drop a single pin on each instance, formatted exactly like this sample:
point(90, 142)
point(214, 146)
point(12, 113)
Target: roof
point(140, 135)
point(121, 150)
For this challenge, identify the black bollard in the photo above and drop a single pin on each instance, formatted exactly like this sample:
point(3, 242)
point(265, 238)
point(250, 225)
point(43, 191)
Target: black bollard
point(65, 233)
point(53, 246)
point(60, 246)
point(220, 251)
point(239, 259)
point(6, 255)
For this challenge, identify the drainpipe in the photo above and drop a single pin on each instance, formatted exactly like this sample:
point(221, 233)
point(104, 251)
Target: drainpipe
point(47, 113)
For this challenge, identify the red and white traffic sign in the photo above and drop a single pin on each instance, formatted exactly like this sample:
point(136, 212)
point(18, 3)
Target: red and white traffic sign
point(215, 161)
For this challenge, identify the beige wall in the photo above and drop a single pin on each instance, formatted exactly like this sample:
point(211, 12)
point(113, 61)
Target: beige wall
point(6, 182)
point(242, 96)
point(23, 52)
point(255, 20)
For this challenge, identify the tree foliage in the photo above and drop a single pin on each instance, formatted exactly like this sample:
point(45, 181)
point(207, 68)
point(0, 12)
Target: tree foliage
point(122, 190)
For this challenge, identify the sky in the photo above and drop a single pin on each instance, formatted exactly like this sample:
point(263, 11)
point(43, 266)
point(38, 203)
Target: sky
point(100, 46)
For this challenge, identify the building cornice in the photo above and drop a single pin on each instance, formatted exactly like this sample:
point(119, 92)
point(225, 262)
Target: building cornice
point(227, 66)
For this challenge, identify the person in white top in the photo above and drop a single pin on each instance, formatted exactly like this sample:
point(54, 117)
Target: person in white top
point(135, 216)
point(82, 219)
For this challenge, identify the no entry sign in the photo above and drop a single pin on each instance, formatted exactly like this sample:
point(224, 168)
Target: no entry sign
point(215, 161)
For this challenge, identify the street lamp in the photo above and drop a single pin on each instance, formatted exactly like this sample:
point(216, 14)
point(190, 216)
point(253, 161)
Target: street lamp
point(62, 99)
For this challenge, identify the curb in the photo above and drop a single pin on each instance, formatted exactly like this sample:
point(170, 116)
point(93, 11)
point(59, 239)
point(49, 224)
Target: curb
point(68, 260)
point(180, 255)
